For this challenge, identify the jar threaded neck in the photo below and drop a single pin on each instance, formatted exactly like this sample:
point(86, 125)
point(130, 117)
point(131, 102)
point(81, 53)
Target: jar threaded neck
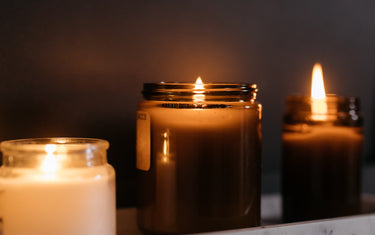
point(70, 152)
point(208, 92)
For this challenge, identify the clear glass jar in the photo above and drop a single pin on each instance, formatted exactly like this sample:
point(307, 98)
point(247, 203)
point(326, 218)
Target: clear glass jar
point(198, 155)
point(321, 158)
point(57, 186)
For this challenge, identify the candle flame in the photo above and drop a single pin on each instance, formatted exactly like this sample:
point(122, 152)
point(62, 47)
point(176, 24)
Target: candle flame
point(199, 83)
point(49, 164)
point(317, 84)
point(199, 89)
point(318, 95)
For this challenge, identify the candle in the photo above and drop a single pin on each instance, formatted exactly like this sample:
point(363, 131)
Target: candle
point(57, 186)
point(211, 176)
point(322, 143)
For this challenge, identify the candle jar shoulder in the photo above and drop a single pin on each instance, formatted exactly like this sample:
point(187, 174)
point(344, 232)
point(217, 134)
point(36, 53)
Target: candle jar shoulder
point(321, 133)
point(211, 115)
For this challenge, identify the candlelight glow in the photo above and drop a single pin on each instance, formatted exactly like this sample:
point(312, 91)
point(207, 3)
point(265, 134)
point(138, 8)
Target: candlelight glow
point(165, 157)
point(318, 95)
point(198, 83)
point(49, 164)
point(199, 88)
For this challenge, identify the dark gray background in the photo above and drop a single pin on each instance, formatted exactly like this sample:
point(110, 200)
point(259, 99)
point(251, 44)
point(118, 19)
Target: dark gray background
point(76, 68)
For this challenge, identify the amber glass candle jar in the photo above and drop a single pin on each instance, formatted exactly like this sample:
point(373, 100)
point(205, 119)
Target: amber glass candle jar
point(198, 157)
point(321, 158)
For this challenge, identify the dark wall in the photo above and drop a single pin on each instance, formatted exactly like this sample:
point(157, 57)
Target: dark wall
point(76, 68)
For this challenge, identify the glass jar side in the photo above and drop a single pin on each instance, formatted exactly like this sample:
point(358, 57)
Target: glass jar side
point(187, 147)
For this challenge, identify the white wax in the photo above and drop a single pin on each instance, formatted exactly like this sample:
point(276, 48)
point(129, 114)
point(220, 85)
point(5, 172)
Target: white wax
point(72, 202)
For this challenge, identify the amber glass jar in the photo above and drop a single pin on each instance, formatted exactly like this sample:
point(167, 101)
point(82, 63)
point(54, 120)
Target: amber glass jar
point(198, 157)
point(321, 158)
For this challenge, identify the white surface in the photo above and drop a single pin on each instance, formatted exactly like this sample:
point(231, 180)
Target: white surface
point(362, 225)
point(271, 214)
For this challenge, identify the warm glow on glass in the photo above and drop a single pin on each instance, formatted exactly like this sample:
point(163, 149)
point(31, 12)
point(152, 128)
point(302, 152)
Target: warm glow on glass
point(199, 88)
point(318, 95)
point(165, 157)
point(49, 164)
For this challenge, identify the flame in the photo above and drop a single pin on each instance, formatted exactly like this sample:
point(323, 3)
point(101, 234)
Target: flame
point(199, 89)
point(49, 164)
point(317, 84)
point(318, 95)
point(199, 83)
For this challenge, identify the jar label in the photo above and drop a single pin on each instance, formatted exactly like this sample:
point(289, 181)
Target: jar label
point(143, 141)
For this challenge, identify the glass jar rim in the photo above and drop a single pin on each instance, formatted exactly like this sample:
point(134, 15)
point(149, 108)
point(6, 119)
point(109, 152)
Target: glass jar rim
point(339, 110)
point(341, 102)
point(185, 91)
point(61, 143)
point(187, 85)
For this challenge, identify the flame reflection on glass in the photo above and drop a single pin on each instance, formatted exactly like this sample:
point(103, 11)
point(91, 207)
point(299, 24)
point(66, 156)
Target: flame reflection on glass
point(198, 90)
point(50, 164)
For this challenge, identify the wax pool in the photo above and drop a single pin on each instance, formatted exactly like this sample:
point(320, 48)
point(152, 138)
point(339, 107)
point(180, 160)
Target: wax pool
point(69, 202)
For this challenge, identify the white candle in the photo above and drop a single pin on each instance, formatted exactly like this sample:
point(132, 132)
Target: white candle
point(64, 201)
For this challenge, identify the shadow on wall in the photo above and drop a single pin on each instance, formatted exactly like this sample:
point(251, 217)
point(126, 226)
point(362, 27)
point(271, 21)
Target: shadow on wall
point(121, 154)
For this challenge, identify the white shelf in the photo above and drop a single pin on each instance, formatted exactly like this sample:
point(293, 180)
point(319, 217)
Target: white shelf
point(271, 223)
